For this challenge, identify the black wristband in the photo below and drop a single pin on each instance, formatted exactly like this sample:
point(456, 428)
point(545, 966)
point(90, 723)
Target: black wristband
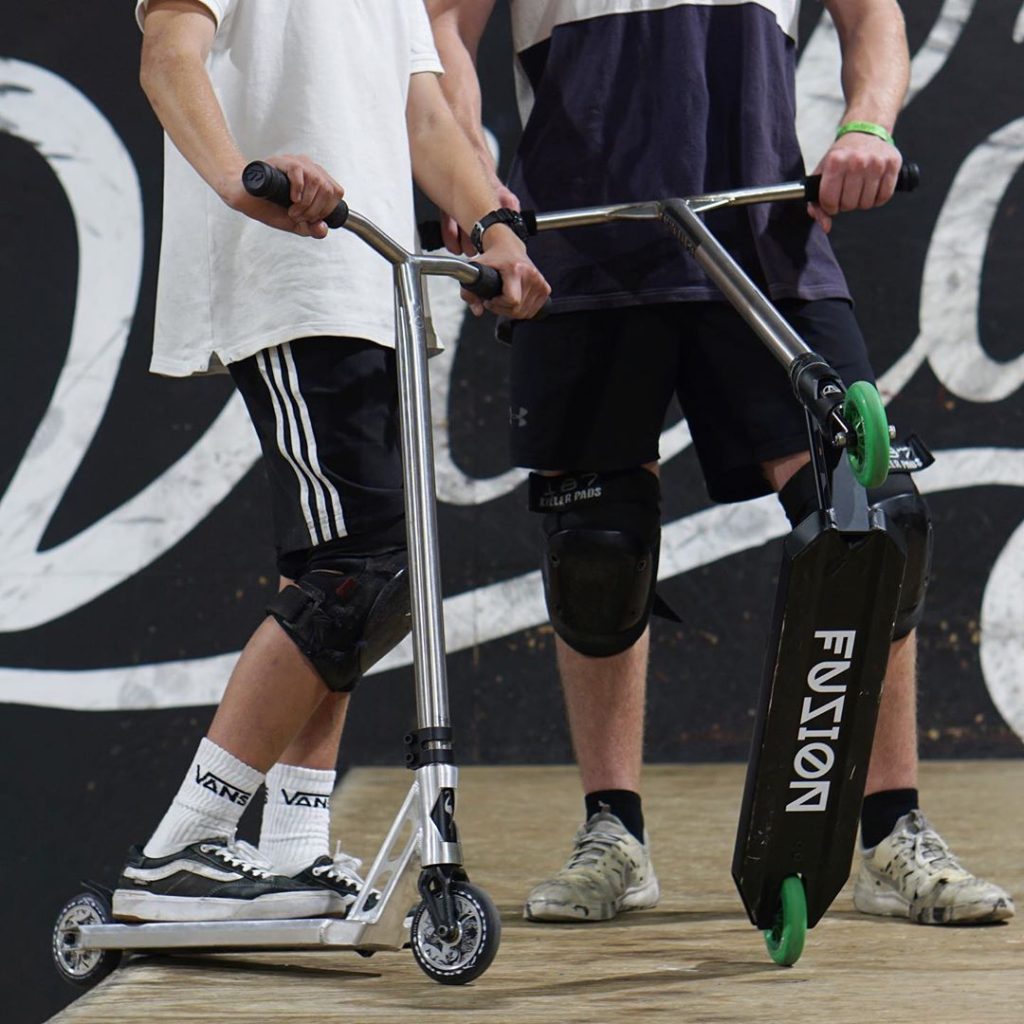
point(507, 216)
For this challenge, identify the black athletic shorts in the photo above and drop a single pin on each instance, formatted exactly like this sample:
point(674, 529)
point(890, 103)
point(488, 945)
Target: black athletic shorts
point(326, 413)
point(589, 390)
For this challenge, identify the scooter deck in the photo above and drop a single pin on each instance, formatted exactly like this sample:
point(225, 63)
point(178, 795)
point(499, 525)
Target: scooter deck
point(832, 626)
point(228, 936)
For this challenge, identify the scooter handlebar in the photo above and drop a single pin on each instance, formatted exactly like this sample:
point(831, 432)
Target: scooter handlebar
point(908, 180)
point(265, 181)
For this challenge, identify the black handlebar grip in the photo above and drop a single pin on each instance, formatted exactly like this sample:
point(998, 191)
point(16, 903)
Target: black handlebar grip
point(909, 178)
point(431, 238)
point(430, 235)
point(488, 284)
point(265, 181)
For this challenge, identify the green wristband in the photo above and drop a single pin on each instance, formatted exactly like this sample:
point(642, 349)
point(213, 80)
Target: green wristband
point(866, 128)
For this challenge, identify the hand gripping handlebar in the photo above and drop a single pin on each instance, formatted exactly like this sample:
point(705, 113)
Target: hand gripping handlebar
point(805, 189)
point(265, 181)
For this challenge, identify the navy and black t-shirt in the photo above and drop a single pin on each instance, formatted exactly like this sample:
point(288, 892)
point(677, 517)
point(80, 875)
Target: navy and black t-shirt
point(632, 100)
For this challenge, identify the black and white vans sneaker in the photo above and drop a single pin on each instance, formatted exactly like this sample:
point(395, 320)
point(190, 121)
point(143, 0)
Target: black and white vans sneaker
point(340, 878)
point(212, 880)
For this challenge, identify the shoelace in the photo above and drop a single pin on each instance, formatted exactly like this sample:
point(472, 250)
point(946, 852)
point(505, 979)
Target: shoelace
point(244, 857)
point(590, 848)
point(926, 851)
point(344, 868)
point(929, 849)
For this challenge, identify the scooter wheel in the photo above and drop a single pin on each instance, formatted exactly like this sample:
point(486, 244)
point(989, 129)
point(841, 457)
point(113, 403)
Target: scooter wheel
point(785, 938)
point(867, 447)
point(470, 954)
point(82, 967)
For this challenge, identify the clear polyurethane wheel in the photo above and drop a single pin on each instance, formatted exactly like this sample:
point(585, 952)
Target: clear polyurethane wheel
point(785, 938)
point(470, 953)
point(867, 445)
point(82, 967)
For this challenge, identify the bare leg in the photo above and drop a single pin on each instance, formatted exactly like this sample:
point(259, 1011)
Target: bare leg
point(270, 698)
point(316, 745)
point(893, 762)
point(604, 699)
point(779, 471)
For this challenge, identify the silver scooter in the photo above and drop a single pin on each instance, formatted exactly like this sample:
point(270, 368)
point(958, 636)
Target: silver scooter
point(453, 928)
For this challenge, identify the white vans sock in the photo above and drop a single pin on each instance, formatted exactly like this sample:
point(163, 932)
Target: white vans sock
point(215, 791)
point(296, 817)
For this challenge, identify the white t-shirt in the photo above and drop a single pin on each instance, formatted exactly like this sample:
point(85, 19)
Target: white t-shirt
point(328, 78)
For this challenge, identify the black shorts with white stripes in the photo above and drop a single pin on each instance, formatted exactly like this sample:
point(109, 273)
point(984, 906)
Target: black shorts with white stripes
point(326, 413)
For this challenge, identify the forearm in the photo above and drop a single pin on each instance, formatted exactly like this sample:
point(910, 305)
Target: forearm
point(179, 89)
point(461, 86)
point(876, 61)
point(444, 161)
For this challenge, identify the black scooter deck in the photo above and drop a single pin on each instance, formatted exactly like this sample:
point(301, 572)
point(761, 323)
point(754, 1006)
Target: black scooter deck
point(831, 631)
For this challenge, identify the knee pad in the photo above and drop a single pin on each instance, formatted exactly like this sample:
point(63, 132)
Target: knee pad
point(346, 613)
point(907, 519)
point(602, 535)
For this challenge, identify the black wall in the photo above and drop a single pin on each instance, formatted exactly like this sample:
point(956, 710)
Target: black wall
point(81, 785)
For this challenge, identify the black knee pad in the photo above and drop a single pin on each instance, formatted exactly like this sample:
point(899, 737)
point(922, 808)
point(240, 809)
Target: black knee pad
point(601, 561)
point(907, 519)
point(799, 495)
point(346, 612)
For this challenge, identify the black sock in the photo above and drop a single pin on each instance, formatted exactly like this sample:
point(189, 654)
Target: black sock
point(880, 812)
point(623, 803)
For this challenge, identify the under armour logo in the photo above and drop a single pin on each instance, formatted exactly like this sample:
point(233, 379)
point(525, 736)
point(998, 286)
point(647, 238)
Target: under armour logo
point(517, 418)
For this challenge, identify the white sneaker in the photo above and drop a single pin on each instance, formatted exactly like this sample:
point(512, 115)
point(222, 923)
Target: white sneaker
point(609, 871)
point(912, 873)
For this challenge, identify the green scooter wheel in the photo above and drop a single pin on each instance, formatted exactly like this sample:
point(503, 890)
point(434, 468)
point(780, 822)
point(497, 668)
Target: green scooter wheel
point(867, 446)
point(785, 938)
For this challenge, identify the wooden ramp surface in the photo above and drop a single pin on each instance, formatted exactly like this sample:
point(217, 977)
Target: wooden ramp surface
point(694, 958)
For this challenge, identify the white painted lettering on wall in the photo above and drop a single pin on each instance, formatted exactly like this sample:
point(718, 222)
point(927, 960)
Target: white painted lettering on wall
point(102, 188)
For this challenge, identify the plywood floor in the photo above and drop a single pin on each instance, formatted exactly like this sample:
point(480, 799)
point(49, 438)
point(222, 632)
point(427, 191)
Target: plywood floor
point(694, 958)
